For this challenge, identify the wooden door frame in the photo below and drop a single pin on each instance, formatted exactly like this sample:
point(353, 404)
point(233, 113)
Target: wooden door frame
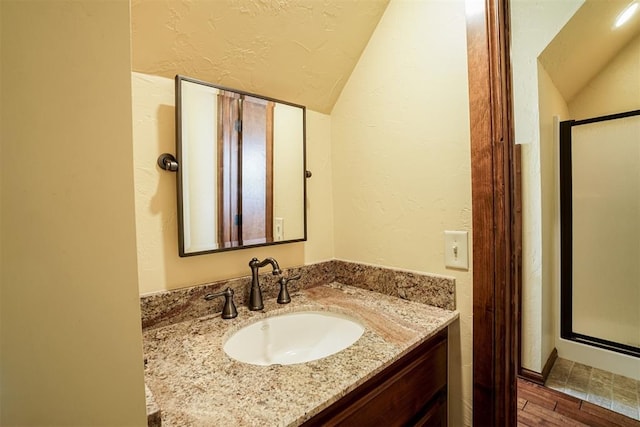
point(495, 229)
point(229, 176)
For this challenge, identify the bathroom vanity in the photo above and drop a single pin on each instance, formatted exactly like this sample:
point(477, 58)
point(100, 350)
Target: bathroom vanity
point(412, 391)
point(395, 374)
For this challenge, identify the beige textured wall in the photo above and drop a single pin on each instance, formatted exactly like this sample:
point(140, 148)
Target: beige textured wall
point(159, 266)
point(615, 89)
point(553, 109)
point(1, 202)
point(320, 221)
point(391, 170)
point(401, 158)
point(71, 336)
point(534, 24)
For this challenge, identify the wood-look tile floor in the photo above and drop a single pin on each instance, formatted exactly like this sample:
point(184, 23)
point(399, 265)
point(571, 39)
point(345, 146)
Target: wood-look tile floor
point(542, 406)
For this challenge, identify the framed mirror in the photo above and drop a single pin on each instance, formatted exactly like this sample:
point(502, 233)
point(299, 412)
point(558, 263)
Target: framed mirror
point(241, 176)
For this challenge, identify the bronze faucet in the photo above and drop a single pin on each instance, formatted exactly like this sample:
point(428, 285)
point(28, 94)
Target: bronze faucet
point(255, 295)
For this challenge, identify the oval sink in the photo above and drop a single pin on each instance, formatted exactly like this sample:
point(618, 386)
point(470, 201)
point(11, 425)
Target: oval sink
point(293, 338)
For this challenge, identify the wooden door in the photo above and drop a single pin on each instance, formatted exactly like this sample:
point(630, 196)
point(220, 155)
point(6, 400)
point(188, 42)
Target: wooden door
point(245, 170)
point(257, 171)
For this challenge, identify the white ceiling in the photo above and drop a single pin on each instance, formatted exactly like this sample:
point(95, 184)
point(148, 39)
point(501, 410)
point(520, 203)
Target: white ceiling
point(586, 44)
point(301, 51)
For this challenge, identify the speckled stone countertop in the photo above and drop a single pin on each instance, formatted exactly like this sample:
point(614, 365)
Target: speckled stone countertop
point(196, 384)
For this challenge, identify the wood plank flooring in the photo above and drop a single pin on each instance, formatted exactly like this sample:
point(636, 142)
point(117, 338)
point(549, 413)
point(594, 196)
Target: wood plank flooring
point(541, 406)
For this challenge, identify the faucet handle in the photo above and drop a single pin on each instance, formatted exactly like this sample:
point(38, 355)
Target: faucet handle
point(229, 310)
point(283, 296)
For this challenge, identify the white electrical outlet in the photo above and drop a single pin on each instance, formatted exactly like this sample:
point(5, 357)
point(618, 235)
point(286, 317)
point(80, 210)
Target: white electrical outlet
point(456, 253)
point(278, 232)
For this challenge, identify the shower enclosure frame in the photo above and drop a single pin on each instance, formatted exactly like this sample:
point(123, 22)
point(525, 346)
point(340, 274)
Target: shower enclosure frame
point(566, 240)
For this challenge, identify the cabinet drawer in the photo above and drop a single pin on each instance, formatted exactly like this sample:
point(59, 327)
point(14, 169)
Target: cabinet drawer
point(399, 395)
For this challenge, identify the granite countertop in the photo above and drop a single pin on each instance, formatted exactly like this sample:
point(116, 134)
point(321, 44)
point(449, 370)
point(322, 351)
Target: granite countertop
point(196, 384)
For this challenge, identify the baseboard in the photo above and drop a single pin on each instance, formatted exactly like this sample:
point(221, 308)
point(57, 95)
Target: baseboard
point(537, 377)
point(550, 361)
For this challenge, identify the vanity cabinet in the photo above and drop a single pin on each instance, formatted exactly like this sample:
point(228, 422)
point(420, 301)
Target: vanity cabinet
point(410, 392)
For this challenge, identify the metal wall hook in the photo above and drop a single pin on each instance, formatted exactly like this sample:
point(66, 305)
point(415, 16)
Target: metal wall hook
point(168, 162)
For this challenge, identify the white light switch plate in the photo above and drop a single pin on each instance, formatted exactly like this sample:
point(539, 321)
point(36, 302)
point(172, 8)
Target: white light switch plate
point(456, 251)
point(278, 232)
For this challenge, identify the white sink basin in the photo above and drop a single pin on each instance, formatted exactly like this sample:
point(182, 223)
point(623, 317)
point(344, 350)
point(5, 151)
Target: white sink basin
point(292, 338)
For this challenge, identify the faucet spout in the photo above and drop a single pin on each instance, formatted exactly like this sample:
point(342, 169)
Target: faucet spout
point(255, 295)
point(255, 265)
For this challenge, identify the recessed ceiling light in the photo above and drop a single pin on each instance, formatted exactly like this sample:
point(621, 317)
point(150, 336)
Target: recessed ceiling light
point(626, 14)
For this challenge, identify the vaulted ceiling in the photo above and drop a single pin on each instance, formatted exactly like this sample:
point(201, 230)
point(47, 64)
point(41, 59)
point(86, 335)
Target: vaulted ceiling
point(301, 51)
point(586, 44)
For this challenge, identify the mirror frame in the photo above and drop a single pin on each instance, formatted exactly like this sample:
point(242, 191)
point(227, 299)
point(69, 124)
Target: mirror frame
point(179, 177)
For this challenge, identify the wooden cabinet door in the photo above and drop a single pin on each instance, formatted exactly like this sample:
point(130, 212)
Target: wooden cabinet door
point(412, 391)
